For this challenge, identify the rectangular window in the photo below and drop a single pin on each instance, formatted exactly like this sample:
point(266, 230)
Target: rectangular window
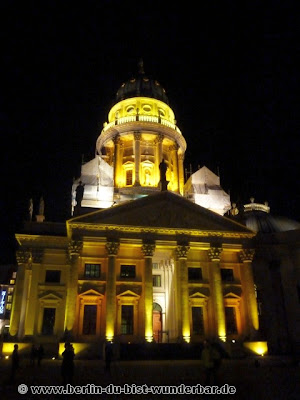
point(92, 270)
point(156, 280)
point(48, 321)
point(89, 320)
point(129, 177)
point(52, 276)
point(195, 274)
point(127, 271)
point(197, 320)
point(230, 316)
point(227, 275)
point(127, 320)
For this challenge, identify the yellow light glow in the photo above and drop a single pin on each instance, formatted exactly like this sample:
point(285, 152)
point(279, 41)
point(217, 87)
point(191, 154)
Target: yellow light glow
point(260, 348)
point(149, 337)
point(78, 347)
point(187, 339)
point(8, 348)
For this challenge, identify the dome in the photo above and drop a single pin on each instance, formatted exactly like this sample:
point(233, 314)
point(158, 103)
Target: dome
point(260, 221)
point(142, 86)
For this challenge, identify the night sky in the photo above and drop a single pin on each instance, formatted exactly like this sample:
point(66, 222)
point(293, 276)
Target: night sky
point(228, 68)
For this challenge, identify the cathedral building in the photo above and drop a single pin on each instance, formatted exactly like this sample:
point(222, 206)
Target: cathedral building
point(146, 256)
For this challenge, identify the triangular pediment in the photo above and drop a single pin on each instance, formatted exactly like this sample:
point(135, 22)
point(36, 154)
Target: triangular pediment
point(50, 296)
point(198, 295)
point(90, 292)
point(128, 294)
point(160, 210)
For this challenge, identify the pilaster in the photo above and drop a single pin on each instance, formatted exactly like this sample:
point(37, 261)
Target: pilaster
point(182, 276)
point(148, 251)
point(112, 248)
point(214, 254)
point(246, 256)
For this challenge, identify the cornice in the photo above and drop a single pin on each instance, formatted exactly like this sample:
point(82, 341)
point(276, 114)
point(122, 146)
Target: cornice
point(42, 241)
point(107, 228)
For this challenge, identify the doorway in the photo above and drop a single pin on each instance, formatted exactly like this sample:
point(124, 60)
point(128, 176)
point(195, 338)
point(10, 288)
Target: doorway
point(157, 323)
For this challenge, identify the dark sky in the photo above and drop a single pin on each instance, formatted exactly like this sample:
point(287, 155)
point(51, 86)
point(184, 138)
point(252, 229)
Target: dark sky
point(228, 67)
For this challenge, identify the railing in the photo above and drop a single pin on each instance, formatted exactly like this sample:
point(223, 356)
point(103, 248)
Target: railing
point(141, 118)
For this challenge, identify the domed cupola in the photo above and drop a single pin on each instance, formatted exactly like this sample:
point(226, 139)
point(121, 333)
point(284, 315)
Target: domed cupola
point(142, 86)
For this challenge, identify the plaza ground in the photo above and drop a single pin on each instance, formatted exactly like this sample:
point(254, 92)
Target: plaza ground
point(274, 378)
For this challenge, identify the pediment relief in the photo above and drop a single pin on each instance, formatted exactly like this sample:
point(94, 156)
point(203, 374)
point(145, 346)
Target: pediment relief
point(161, 210)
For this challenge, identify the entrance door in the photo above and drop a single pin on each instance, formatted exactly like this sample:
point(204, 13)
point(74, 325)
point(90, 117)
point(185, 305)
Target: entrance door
point(157, 323)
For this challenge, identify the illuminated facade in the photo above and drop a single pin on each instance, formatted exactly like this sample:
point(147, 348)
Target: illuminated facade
point(136, 263)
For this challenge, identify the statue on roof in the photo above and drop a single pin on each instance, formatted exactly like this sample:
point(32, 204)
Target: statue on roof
point(79, 194)
point(163, 171)
point(30, 209)
point(41, 206)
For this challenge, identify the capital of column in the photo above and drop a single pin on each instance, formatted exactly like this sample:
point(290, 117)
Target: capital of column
point(23, 256)
point(112, 248)
point(117, 140)
point(214, 253)
point(182, 251)
point(37, 255)
point(247, 255)
point(159, 138)
point(74, 248)
point(148, 249)
point(181, 156)
point(174, 147)
point(137, 135)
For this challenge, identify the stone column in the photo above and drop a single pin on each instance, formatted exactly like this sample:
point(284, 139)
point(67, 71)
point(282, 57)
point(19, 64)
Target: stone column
point(112, 248)
point(182, 251)
point(32, 298)
point(148, 250)
point(214, 254)
point(246, 256)
point(175, 181)
point(159, 155)
point(137, 157)
point(74, 251)
point(117, 156)
point(180, 173)
point(20, 293)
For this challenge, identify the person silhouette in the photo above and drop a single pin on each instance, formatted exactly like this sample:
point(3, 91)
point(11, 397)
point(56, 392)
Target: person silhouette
point(40, 354)
point(67, 366)
point(108, 355)
point(14, 363)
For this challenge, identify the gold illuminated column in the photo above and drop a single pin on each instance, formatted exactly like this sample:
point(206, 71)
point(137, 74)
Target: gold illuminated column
point(214, 254)
point(181, 173)
point(175, 182)
point(247, 277)
point(137, 157)
point(23, 258)
point(117, 157)
point(182, 251)
point(112, 248)
point(148, 250)
point(74, 250)
point(31, 303)
point(159, 155)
